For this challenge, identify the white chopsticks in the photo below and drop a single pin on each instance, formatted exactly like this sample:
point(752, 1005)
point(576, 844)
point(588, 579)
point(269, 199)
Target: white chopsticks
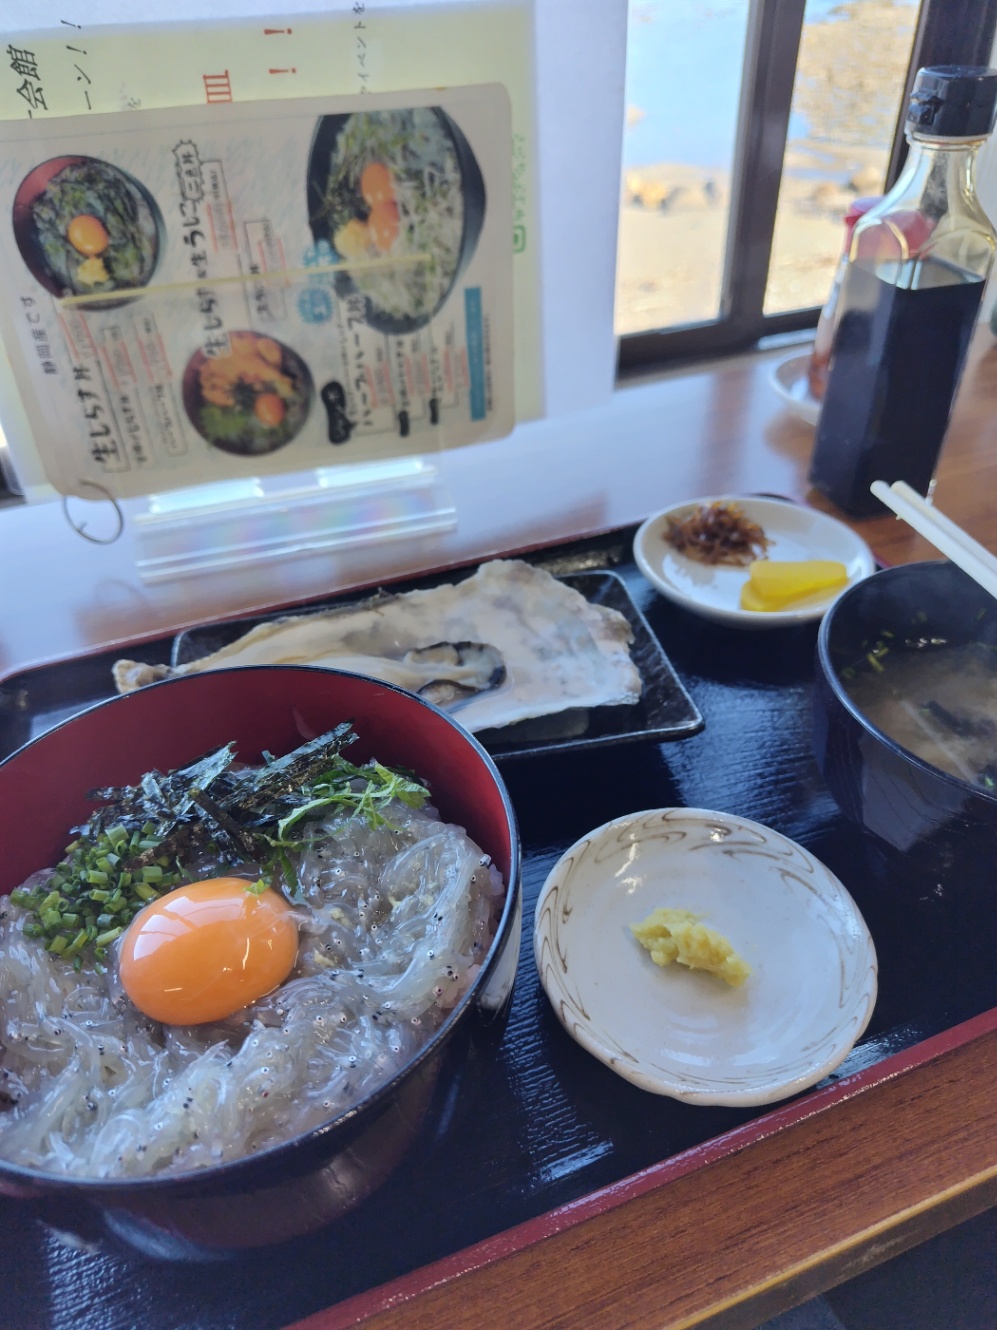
point(948, 538)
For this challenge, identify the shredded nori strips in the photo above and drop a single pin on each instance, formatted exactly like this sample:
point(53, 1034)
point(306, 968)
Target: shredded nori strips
point(190, 820)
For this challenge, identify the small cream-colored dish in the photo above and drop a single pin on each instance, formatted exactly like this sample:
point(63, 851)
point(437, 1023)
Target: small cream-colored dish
point(714, 590)
point(789, 379)
point(685, 1033)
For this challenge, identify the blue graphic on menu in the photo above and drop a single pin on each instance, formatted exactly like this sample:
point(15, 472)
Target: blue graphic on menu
point(475, 351)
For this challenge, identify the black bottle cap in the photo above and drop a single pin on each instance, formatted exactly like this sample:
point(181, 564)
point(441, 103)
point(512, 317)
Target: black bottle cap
point(953, 101)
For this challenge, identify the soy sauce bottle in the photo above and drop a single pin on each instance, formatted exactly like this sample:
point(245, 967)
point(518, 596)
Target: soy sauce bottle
point(918, 265)
point(820, 356)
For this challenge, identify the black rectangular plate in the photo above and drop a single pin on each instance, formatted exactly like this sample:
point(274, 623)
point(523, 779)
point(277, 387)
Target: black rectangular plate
point(664, 711)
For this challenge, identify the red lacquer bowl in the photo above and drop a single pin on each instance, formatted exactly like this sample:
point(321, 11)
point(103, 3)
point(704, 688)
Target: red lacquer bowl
point(317, 1176)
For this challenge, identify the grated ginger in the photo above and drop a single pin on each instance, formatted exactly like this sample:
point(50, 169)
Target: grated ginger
point(92, 272)
point(677, 935)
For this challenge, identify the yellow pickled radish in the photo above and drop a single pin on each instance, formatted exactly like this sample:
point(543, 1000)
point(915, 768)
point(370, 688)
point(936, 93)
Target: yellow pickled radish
point(775, 584)
point(751, 600)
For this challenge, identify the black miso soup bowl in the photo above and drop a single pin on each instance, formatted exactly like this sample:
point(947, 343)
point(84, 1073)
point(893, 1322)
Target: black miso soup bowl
point(319, 1175)
point(948, 825)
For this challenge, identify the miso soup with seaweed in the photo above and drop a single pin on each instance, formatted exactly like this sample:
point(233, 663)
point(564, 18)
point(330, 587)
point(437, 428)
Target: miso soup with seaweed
point(934, 697)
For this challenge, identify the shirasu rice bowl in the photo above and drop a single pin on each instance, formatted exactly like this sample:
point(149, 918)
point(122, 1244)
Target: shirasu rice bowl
point(395, 916)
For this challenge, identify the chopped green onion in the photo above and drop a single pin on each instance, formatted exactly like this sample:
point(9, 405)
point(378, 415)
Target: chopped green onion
point(92, 895)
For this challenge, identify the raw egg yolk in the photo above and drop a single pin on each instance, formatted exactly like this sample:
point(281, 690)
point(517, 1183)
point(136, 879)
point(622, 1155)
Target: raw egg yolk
point(87, 234)
point(383, 224)
point(377, 184)
point(269, 409)
point(207, 950)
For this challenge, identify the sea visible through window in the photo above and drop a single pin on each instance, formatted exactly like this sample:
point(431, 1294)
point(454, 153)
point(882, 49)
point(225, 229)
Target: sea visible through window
point(684, 71)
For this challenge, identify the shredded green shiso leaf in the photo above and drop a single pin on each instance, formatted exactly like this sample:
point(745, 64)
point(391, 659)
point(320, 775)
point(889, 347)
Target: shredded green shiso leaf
point(136, 844)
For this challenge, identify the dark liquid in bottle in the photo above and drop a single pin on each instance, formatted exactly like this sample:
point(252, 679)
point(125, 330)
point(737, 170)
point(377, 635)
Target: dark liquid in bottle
point(897, 357)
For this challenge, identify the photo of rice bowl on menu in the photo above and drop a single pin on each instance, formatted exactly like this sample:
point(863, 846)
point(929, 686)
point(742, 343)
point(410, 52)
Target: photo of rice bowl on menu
point(86, 228)
point(253, 400)
point(401, 185)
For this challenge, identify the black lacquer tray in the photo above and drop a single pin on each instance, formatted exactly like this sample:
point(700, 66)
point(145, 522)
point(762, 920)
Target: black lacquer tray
point(533, 1122)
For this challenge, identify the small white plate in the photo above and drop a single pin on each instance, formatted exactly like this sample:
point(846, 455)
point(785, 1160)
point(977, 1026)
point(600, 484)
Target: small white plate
point(682, 1032)
point(714, 590)
point(789, 378)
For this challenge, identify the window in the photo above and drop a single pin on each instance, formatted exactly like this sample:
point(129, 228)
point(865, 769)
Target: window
point(842, 122)
point(678, 157)
point(751, 124)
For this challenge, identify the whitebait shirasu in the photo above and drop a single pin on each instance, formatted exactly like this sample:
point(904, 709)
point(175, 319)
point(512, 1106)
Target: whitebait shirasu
point(394, 923)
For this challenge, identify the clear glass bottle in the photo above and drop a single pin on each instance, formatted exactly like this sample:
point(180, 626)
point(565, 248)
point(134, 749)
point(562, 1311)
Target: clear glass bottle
point(918, 264)
point(820, 356)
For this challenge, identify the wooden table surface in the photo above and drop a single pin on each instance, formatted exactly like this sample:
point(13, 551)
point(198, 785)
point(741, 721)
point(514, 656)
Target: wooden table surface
point(725, 1236)
point(679, 436)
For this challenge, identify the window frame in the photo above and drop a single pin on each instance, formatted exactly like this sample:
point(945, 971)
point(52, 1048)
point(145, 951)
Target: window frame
point(949, 32)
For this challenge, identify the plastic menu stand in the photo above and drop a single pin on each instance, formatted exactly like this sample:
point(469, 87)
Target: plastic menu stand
point(234, 523)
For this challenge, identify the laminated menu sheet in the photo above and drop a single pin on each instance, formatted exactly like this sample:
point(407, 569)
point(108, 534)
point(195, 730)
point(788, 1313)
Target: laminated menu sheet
point(245, 288)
